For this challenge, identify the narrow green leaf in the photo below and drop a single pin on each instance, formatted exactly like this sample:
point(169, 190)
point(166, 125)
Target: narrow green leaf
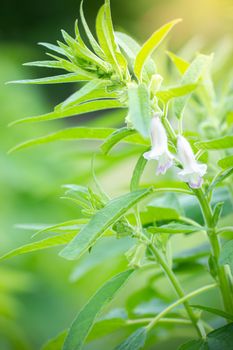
point(174, 92)
point(57, 79)
point(151, 44)
point(78, 133)
point(191, 76)
point(90, 37)
point(67, 226)
point(115, 138)
point(136, 340)
point(226, 255)
point(54, 48)
point(179, 62)
point(55, 343)
point(85, 320)
point(100, 222)
point(137, 173)
point(131, 48)
point(40, 245)
point(217, 212)
point(226, 162)
point(223, 175)
point(49, 64)
point(87, 107)
point(105, 38)
point(174, 229)
point(216, 144)
point(93, 90)
point(139, 108)
point(214, 311)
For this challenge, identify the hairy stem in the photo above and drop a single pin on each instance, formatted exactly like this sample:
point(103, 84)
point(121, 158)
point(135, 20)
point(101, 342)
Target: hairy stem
point(182, 300)
point(176, 285)
point(222, 274)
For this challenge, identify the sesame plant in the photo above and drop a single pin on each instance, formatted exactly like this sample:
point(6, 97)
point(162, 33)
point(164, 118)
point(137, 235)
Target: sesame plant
point(183, 129)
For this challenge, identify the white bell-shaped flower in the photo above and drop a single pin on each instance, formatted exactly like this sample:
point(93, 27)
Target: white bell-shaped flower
point(193, 171)
point(159, 150)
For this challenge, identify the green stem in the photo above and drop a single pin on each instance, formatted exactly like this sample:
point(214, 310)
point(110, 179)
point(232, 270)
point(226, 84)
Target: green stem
point(222, 274)
point(182, 300)
point(176, 285)
point(162, 320)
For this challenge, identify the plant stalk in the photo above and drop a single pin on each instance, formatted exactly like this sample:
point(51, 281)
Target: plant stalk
point(176, 285)
point(222, 274)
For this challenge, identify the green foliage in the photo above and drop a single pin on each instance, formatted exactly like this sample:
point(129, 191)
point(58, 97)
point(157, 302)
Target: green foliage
point(86, 317)
point(100, 222)
point(226, 256)
point(117, 73)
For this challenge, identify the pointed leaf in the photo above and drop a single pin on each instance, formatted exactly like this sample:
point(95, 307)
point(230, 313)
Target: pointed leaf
point(175, 229)
point(88, 107)
point(57, 79)
point(40, 245)
point(136, 340)
point(226, 255)
point(214, 311)
point(173, 92)
point(179, 62)
point(139, 108)
point(85, 320)
point(131, 48)
point(137, 173)
point(226, 162)
point(115, 138)
point(55, 343)
point(191, 76)
point(151, 44)
point(79, 133)
point(90, 37)
point(100, 222)
point(216, 144)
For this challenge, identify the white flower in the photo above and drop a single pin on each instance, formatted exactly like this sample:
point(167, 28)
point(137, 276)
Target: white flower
point(159, 150)
point(192, 170)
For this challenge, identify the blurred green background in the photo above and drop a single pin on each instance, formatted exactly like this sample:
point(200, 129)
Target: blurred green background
point(37, 297)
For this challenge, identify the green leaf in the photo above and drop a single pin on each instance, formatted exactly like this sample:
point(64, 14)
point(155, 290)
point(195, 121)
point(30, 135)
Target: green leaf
point(217, 212)
point(79, 133)
point(194, 345)
point(226, 255)
point(90, 37)
point(179, 62)
point(54, 48)
point(87, 107)
point(106, 37)
point(175, 229)
point(55, 343)
point(137, 173)
point(115, 138)
point(131, 48)
point(191, 76)
point(57, 79)
point(223, 175)
point(136, 340)
point(216, 144)
point(139, 108)
point(100, 222)
point(214, 311)
point(95, 89)
point(221, 338)
point(226, 162)
point(84, 321)
point(40, 245)
point(150, 45)
point(68, 226)
point(174, 92)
